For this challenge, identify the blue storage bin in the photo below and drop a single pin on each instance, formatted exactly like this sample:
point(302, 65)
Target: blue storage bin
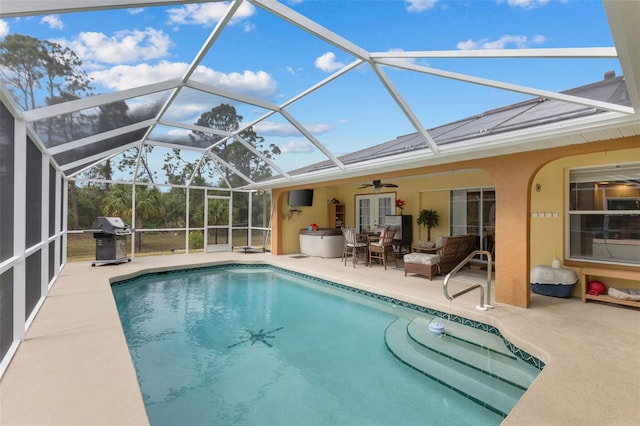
point(555, 290)
point(555, 282)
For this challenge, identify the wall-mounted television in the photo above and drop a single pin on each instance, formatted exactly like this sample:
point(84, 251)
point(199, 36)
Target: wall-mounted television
point(301, 198)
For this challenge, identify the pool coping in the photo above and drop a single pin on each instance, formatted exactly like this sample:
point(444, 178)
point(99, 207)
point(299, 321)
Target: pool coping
point(74, 367)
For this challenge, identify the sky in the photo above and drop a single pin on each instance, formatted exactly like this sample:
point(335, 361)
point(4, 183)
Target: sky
point(266, 58)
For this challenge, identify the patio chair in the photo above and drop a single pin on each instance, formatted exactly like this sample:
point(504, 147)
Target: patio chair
point(352, 246)
point(382, 247)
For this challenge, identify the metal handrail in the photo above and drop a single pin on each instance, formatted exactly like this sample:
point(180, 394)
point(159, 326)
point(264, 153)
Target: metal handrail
point(460, 265)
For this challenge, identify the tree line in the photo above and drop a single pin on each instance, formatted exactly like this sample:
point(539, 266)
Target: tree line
point(40, 73)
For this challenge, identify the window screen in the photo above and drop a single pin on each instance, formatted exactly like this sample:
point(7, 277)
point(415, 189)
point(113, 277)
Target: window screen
point(604, 214)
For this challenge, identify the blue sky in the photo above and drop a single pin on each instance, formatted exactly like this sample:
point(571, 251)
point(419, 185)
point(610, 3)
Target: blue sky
point(264, 57)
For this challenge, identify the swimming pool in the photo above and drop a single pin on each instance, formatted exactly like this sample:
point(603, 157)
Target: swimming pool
point(254, 345)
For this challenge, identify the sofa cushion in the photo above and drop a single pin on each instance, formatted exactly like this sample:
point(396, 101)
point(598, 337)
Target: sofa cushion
point(426, 244)
point(421, 258)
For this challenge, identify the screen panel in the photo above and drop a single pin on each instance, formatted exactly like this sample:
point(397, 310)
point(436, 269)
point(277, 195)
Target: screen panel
point(33, 284)
point(6, 311)
point(7, 127)
point(33, 230)
point(52, 260)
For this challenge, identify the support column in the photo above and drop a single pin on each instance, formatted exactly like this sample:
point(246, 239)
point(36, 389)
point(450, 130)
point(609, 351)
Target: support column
point(512, 236)
point(19, 229)
point(277, 195)
point(512, 176)
point(44, 229)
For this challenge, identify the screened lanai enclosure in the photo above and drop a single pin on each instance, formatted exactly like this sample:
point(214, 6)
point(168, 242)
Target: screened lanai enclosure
point(180, 117)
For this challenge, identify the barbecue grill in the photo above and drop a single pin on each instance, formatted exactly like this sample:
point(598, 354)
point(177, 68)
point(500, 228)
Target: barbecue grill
point(110, 234)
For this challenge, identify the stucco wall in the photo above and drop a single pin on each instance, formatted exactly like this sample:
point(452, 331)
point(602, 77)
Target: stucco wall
point(548, 237)
point(520, 241)
point(292, 222)
point(434, 194)
point(423, 192)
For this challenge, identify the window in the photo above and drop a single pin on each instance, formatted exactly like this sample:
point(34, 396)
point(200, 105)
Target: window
point(604, 214)
point(473, 212)
point(372, 209)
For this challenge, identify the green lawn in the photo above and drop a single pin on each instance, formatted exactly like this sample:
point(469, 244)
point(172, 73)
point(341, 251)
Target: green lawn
point(82, 247)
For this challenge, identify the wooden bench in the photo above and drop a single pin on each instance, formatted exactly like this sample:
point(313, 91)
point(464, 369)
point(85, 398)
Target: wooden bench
point(585, 277)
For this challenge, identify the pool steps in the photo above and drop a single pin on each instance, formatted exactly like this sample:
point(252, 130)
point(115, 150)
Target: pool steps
point(471, 362)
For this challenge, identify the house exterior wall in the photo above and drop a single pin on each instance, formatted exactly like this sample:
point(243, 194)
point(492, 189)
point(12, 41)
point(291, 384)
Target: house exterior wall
point(520, 243)
point(548, 237)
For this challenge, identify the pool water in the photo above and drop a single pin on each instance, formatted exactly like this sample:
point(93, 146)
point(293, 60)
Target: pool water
point(260, 346)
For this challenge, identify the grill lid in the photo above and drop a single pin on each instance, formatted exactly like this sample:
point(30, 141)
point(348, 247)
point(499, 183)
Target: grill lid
point(111, 225)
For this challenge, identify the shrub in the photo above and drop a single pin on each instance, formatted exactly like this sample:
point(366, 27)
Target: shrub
point(196, 240)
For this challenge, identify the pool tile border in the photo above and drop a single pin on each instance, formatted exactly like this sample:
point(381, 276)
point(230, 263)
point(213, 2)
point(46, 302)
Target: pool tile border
point(525, 356)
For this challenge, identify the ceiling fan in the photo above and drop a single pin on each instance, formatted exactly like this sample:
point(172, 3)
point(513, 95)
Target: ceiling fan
point(377, 184)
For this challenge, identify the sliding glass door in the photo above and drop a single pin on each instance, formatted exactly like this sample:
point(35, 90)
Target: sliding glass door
point(473, 212)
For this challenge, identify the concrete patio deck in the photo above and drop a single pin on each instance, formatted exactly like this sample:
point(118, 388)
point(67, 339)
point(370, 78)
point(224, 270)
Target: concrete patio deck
point(73, 367)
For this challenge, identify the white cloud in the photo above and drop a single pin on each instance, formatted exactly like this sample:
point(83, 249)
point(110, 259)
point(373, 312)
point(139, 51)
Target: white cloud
point(188, 110)
point(207, 14)
point(504, 42)
point(318, 129)
point(420, 5)
point(122, 46)
point(252, 83)
point(293, 71)
point(526, 4)
point(135, 11)
point(270, 128)
point(298, 147)
point(327, 62)
point(179, 132)
point(4, 28)
point(247, 27)
point(401, 61)
point(122, 77)
point(258, 83)
point(53, 21)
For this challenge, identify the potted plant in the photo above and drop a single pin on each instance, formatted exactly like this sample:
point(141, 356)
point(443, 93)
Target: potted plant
point(429, 219)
